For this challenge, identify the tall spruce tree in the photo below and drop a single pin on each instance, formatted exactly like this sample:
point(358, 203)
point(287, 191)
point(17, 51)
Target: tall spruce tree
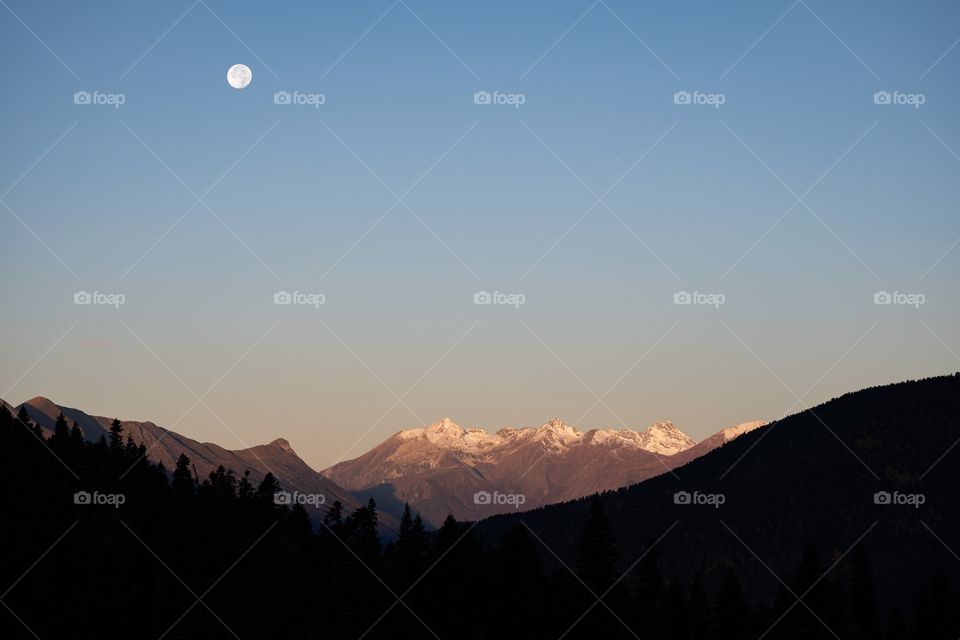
point(116, 435)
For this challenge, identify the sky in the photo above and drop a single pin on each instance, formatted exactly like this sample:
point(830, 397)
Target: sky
point(629, 154)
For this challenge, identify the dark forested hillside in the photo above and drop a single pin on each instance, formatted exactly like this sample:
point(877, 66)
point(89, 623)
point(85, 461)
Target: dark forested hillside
point(778, 535)
point(807, 482)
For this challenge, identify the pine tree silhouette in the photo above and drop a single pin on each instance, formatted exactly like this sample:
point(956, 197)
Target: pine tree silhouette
point(76, 435)
point(61, 432)
point(267, 490)
point(183, 485)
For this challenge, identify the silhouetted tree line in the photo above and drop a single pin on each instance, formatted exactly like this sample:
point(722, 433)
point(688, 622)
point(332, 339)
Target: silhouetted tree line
point(184, 557)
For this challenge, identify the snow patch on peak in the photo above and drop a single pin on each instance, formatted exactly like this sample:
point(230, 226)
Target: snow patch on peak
point(448, 435)
point(445, 425)
point(663, 425)
point(558, 426)
point(555, 436)
point(738, 430)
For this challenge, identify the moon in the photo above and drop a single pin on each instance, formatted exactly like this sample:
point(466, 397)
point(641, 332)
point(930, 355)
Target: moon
point(239, 76)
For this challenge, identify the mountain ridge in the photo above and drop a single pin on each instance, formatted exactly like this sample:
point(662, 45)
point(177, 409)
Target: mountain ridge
point(165, 446)
point(441, 467)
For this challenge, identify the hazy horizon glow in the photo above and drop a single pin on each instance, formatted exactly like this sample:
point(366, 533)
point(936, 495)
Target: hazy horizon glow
point(357, 165)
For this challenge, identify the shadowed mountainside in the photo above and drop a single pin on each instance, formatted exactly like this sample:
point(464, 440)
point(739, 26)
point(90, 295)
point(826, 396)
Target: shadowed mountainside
point(808, 479)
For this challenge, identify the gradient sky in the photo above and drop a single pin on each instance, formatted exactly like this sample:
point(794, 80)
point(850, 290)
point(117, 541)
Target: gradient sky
point(503, 186)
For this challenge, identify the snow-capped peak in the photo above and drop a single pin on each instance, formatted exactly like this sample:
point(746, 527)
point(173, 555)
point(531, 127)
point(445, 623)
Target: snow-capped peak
point(558, 426)
point(555, 435)
point(447, 434)
point(665, 438)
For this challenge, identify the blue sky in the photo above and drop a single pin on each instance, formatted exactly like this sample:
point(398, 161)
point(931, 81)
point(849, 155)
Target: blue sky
point(497, 203)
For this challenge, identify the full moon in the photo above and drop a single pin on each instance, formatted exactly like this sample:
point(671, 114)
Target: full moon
point(239, 76)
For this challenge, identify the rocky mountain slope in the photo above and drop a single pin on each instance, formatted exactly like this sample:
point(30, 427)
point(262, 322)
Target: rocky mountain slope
point(444, 468)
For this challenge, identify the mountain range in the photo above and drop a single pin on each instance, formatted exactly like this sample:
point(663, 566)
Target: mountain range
point(439, 469)
point(443, 468)
point(165, 446)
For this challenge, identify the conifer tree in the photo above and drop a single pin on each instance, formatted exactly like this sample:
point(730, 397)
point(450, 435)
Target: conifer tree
point(23, 416)
point(406, 522)
point(61, 432)
point(267, 489)
point(183, 485)
point(244, 488)
point(333, 518)
point(449, 533)
point(76, 435)
point(116, 435)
